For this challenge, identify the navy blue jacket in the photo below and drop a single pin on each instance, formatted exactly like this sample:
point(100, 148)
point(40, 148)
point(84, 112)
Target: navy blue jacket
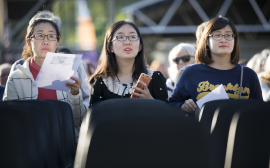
point(197, 80)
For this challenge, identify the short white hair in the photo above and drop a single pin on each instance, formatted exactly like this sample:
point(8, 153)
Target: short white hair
point(267, 64)
point(255, 62)
point(182, 47)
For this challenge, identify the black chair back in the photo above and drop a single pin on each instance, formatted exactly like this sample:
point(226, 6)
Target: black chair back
point(207, 112)
point(69, 141)
point(52, 126)
point(141, 133)
point(249, 138)
point(25, 136)
point(221, 125)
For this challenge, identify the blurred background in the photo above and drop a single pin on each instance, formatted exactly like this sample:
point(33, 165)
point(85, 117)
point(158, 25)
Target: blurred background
point(163, 23)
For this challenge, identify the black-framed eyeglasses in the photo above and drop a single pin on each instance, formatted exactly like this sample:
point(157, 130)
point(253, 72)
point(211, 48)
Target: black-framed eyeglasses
point(184, 58)
point(124, 38)
point(50, 37)
point(228, 37)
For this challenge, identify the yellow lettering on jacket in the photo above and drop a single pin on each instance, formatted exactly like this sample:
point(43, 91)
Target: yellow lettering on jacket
point(205, 87)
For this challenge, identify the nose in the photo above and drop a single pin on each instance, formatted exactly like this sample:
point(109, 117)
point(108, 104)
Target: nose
point(223, 38)
point(46, 41)
point(127, 41)
point(180, 61)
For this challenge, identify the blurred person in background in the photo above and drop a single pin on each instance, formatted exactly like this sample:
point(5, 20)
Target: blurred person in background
point(4, 72)
point(243, 62)
point(181, 55)
point(257, 63)
point(43, 35)
point(89, 67)
point(268, 97)
point(265, 55)
point(199, 31)
point(217, 55)
point(159, 66)
point(120, 65)
point(178, 74)
point(265, 80)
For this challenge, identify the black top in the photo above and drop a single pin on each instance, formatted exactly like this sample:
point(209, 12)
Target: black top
point(2, 89)
point(109, 88)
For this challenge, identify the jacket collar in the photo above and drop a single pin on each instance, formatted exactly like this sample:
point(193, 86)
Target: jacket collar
point(25, 68)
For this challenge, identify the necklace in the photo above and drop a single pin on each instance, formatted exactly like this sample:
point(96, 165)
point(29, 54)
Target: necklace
point(118, 79)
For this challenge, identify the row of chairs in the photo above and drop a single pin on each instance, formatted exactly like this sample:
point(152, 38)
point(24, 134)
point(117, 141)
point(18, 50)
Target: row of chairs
point(141, 133)
point(240, 132)
point(135, 133)
point(36, 133)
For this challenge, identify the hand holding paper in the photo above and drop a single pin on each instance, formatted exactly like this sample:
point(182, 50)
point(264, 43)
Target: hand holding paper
point(74, 86)
point(56, 70)
point(216, 94)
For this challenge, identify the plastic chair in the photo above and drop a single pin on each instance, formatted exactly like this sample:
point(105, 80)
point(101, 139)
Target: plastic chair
point(221, 125)
point(52, 123)
point(25, 137)
point(207, 112)
point(249, 139)
point(141, 133)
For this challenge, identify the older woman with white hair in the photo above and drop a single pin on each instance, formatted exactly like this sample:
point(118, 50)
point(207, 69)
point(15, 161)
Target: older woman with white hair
point(265, 80)
point(181, 55)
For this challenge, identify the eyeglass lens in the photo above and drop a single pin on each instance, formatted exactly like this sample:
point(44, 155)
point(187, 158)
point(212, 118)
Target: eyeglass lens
point(183, 58)
point(226, 36)
point(51, 37)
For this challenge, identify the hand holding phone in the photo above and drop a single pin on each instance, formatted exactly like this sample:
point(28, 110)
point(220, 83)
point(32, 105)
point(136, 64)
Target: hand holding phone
point(144, 78)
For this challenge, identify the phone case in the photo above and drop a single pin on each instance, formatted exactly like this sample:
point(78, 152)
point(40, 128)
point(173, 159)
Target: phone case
point(146, 79)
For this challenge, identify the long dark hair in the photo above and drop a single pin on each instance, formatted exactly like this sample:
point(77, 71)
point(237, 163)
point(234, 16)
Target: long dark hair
point(203, 54)
point(107, 65)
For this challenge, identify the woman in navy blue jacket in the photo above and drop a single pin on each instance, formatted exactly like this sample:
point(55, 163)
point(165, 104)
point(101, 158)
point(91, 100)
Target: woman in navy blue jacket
point(217, 59)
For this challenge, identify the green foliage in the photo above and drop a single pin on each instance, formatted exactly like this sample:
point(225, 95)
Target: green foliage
point(66, 11)
point(99, 10)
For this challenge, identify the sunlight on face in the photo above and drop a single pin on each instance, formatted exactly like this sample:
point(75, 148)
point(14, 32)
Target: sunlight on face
point(41, 47)
point(221, 47)
point(125, 49)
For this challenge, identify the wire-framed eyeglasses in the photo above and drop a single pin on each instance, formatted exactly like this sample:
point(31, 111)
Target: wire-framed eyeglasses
point(50, 37)
point(228, 37)
point(124, 38)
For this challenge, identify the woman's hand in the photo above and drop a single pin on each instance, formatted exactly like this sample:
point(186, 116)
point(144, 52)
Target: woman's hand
point(74, 86)
point(144, 92)
point(189, 106)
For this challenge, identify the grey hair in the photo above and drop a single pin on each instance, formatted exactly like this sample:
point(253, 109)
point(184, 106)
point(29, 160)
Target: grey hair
point(200, 30)
point(255, 62)
point(43, 16)
point(182, 47)
point(46, 16)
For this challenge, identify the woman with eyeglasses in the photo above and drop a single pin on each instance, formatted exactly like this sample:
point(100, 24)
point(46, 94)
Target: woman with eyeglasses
point(43, 35)
point(217, 56)
point(120, 64)
point(181, 55)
